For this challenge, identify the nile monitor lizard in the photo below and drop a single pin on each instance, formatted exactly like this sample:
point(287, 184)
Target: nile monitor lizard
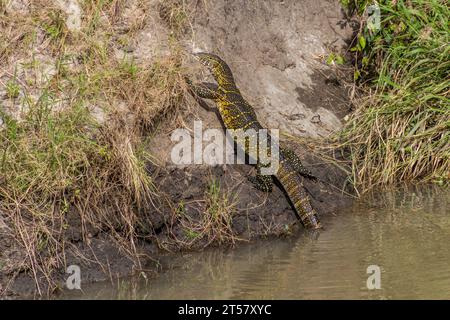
point(237, 113)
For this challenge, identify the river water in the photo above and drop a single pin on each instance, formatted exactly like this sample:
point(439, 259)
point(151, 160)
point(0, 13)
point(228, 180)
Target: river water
point(403, 234)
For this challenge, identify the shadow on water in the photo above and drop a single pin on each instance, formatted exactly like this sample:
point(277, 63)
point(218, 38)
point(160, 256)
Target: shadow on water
point(404, 232)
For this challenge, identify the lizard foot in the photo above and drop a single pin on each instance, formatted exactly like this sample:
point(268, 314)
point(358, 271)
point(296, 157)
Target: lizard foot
point(298, 166)
point(262, 183)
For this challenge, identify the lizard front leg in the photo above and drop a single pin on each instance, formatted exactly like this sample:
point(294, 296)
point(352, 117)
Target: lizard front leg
point(205, 90)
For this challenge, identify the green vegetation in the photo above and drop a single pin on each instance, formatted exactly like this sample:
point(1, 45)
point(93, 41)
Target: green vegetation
point(401, 128)
point(219, 212)
point(73, 158)
point(12, 89)
point(213, 224)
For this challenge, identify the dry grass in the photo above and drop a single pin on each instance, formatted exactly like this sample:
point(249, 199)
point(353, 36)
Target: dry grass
point(212, 221)
point(173, 13)
point(77, 148)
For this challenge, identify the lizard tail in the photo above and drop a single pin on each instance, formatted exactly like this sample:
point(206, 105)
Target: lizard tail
point(298, 196)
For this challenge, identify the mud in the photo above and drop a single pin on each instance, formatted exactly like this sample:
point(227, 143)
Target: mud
point(277, 51)
point(258, 213)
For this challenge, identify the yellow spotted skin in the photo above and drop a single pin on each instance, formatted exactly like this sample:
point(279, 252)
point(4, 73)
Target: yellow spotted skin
point(237, 113)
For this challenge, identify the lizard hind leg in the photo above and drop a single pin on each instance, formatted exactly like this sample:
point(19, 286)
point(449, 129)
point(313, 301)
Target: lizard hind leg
point(262, 183)
point(296, 163)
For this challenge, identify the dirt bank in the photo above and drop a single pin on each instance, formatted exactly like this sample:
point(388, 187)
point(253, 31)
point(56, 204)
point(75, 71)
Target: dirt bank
point(277, 52)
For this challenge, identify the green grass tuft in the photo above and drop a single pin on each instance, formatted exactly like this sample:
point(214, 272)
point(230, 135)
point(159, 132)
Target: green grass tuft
point(401, 129)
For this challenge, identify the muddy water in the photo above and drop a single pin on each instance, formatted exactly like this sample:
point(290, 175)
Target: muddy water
point(405, 233)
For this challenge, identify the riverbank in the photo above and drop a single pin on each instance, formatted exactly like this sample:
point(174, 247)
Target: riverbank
point(90, 97)
point(375, 232)
point(91, 94)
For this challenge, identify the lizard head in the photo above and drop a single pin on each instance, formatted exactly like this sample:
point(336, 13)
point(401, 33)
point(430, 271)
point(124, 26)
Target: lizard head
point(217, 66)
point(209, 60)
